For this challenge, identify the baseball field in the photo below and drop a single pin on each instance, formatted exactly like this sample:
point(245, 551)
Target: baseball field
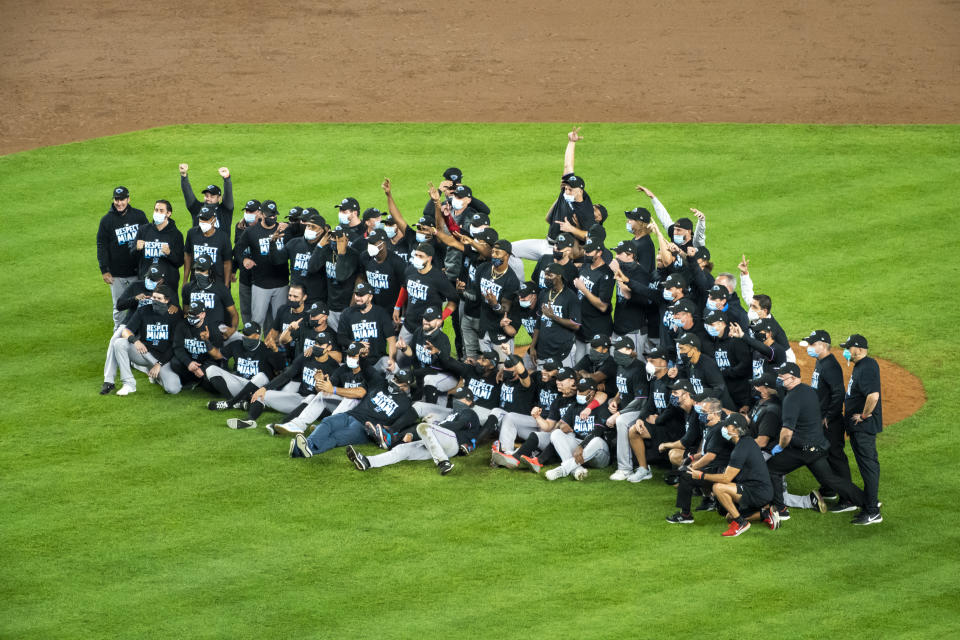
point(146, 516)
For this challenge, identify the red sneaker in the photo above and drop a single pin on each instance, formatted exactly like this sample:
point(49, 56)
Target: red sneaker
point(533, 463)
point(735, 529)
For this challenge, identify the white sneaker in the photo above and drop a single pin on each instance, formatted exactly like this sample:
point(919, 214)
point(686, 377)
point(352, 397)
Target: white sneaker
point(620, 474)
point(126, 390)
point(580, 473)
point(556, 473)
point(641, 474)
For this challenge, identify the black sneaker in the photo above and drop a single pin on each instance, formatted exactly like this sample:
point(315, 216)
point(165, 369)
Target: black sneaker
point(467, 447)
point(218, 405)
point(107, 388)
point(843, 507)
point(783, 513)
point(236, 423)
point(865, 518)
point(707, 504)
point(444, 467)
point(829, 494)
point(817, 501)
point(358, 459)
point(672, 478)
point(680, 518)
point(243, 405)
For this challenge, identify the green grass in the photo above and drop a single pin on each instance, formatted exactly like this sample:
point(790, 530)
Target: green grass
point(146, 516)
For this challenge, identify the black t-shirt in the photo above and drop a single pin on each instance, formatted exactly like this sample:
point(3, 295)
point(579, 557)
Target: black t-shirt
point(504, 288)
point(547, 394)
point(424, 290)
point(600, 283)
point(425, 358)
point(720, 447)
point(484, 388)
point(705, 376)
point(560, 405)
point(297, 253)
point(373, 327)
point(404, 246)
point(152, 252)
point(828, 381)
point(346, 378)
point(465, 423)
point(470, 276)
point(265, 274)
point(386, 407)
point(579, 214)
point(659, 398)
point(128, 299)
point(570, 272)
point(285, 317)
point(304, 370)
point(753, 474)
point(516, 398)
point(554, 340)
point(189, 346)
point(305, 336)
point(385, 278)
point(249, 362)
point(155, 331)
point(765, 420)
point(607, 367)
point(340, 272)
point(646, 254)
point(584, 427)
point(732, 356)
point(632, 384)
point(801, 414)
point(217, 246)
point(216, 298)
point(864, 380)
point(630, 313)
point(765, 359)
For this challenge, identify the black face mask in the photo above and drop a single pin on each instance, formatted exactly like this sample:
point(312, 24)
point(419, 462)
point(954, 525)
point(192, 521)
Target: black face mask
point(480, 369)
point(203, 280)
point(293, 304)
point(194, 321)
point(596, 357)
point(622, 359)
point(160, 307)
point(394, 388)
point(460, 405)
point(558, 255)
point(250, 343)
point(269, 221)
point(314, 324)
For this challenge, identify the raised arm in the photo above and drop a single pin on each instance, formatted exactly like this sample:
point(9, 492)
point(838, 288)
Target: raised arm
point(393, 209)
point(188, 196)
point(662, 214)
point(568, 155)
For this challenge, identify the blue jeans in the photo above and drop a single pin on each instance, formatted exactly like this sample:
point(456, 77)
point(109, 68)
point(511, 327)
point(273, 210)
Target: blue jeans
point(337, 430)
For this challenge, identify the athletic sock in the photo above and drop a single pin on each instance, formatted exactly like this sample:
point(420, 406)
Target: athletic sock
point(255, 409)
point(221, 386)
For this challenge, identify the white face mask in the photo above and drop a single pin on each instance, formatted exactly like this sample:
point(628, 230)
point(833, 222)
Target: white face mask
point(651, 370)
point(310, 234)
point(158, 218)
point(391, 231)
point(417, 263)
point(629, 227)
point(475, 230)
point(526, 304)
point(753, 315)
point(372, 250)
point(344, 218)
point(205, 226)
point(569, 197)
point(456, 203)
point(353, 363)
point(249, 218)
point(581, 399)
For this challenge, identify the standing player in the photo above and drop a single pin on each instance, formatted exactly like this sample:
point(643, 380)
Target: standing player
point(161, 244)
point(117, 231)
point(215, 297)
point(559, 320)
point(206, 239)
point(268, 291)
point(425, 286)
point(222, 206)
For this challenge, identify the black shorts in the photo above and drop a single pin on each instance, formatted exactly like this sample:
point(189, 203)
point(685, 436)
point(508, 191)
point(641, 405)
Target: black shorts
point(752, 501)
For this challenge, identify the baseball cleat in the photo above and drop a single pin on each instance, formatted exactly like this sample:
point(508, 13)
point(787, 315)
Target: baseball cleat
point(236, 423)
point(218, 405)
point(358, 459)
point(444, 467)
point(500, 459)
point(532, 463)
point(735, 529)
point(107, 388)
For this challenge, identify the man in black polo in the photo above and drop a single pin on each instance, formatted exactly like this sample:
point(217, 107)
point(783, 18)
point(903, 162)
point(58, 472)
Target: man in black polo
point(862, 409)
point(117, 230)
point(802, 442)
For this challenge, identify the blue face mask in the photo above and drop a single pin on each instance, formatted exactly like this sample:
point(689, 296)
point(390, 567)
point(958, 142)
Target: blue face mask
point(421, 237)
point(667, 294)
point(149, 284)
point(726, 434)
point(497, 262)
point(812, 353)
point(678, 239)
point(847, 355)
point(629, 227)
point(698, 409)
point(391, 231)
point(713, 331)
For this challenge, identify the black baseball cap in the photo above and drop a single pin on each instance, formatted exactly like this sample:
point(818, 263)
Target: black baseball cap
point(323, 338)
point(319, 307)
point(682, 384)
point(623, 342)
point(599, 341)
point(155, 273)
point(504, 245)
point(684, 223)
point(718, 292)
point(295, 214)
point(376, 236)
point(527, 289)
point(564, 241)
point(704, 253)
point(206, 213)
point(426, 248)
point(737, 420)
point(453, 174)
point(463, 191)
point(269, 208)
point(658, 353)
point(488, 236)
point(362, 289)
point(512, 360)
point(683, 305)
point(354, 349)
point(403, 376)
point(573, 180)
point(252, 205)
point(250, 328)
point(203, 263)
point(762, 324)
point(431, 313)
point(816, 336)
point(120, 193)
point(675, 280)
point(639, 213)
point(603, 211)
point(566, 373)
point(348, 203)
point(462, 393)
point(195, 308)
point(554, 269)
point(550, 364)
point(480, 220)
point(592, 245)
point(625, 246)
point(491, 355)
point(311, 217)
point(768, 380)
point(371, 213)
point(789, 369)
point(689, 338)
point(586, 384)
point(856, 340)
point(714, 316)
point(212, 189)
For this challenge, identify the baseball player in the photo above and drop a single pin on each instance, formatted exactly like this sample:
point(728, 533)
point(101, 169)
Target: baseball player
point(298, 251)
point(425, 286)
point(559, 320)
point(206, 239)
point(254, 365)
point(196, 346)
point(268, 290)
point(161, 244)
point(147, 340)
point(582, 440)
point(206, 288)
point(632, 391)
point(115, 235)
point(220, 201)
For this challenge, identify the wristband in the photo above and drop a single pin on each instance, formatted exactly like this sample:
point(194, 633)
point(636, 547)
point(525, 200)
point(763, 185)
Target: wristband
point(525, 374)
point(777, 449)
point(334, 391)
point(593, 404)
point(132, 339)
point(396, 308)
point(446, 313)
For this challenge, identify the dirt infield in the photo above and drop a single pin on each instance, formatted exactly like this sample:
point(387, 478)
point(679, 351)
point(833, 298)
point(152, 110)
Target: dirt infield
point(77, 70)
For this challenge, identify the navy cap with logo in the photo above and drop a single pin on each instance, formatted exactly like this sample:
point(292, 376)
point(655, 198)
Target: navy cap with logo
point(252, 205)
point(718, 292)
point(319, 307)
point(453, 174)
point(600, 341)
point(195, 308)
point(155, 273)
point(573, 180)
point(426, 248)
point(431, 313)
point(767, 379)
point(354, 349)
point(120, 193)
point(762, 324)
point(682, 384)
point(512, 360)
point(690, 339)
point(527, 289)
point(269, 208)
point(639, 213)
point(362, 289)
point(815, 336)
point(488, 236)
point(504, 245)
point(376, 236)
point(553, 269)
point(462, 393)
point(714, 316)
point(566, 373)
point(207, 213)
point(737, 420)
point(658, 353)
point(856, 340)
point(403, 376)
point(702, 254)
point(462, 191)
point(586, 384)
point(323, 339)
point(603, 212)
point(295, 214)
point(372, 213)
point(597, 232)
point(625, 246)
point(490, 355)
point(311, 217)
point(622, 342)
point(212, 189)
point(592, 245)
point(550, 364)
point(789, 369)
point(250, 328)
point(683, 305)
point(480, 220)
point(675, 281)
point(684, 223)
point(564, 241)
point(346, 204)
point(203, 263)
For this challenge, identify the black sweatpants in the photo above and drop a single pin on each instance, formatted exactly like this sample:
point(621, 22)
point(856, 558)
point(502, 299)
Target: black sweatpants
point(836, 457)
point(685, 490)
point(814, 459)
point(864, 447)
